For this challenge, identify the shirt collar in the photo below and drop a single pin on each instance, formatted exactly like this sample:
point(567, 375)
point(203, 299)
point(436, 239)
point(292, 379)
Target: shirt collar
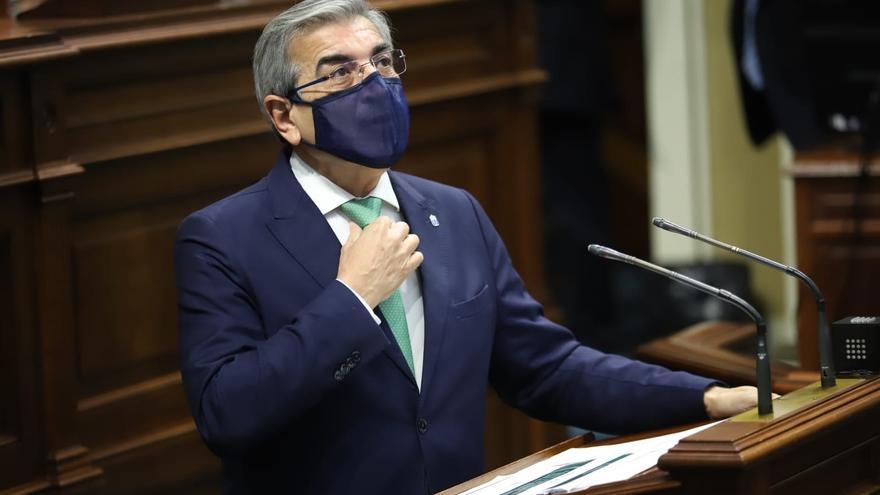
point(327, 196)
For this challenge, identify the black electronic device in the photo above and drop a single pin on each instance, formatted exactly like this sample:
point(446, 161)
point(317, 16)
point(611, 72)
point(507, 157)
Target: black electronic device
point(856, 345)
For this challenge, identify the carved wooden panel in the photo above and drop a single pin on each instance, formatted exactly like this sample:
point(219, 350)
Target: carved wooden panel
point(454, 43)
point(119, 128)
point(9, 419)
point(157, 97)
point(20, 435)
point(132, 407)
point(10, 415)
point(724, 351)
point(846, 253)
point(36, 9)
point(451, 145)
point(842, 255)
point(161, 130)
point(13, 126)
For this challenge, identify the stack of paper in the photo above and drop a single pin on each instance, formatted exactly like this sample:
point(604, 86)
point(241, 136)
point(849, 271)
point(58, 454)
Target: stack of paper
point(583, 467)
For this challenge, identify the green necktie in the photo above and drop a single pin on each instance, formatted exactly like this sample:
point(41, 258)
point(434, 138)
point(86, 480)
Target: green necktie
point(363, 212)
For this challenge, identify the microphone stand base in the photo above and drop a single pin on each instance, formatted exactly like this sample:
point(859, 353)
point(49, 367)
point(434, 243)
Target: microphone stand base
point(798, 399)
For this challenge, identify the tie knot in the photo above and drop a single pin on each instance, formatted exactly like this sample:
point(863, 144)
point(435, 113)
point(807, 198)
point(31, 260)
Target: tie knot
point(362, 211)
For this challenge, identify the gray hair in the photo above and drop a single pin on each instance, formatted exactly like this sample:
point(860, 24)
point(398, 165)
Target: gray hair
point(274, 71)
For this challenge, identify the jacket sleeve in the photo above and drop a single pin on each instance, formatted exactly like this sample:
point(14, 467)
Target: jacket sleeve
point(540, 367)
point(241, 385)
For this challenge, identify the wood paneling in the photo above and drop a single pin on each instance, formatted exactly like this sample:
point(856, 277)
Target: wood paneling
point(827, 445)
point(151, 99)
point(20, 437)
point(12, 124)
point(120, 301)
point(35, 9)
point(9, 417)
point(725, 351)
point(838, 238)
point(113, 130)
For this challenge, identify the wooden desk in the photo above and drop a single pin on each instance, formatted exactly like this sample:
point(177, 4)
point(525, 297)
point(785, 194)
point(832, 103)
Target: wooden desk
point(831, 444)
point(651, 481)
point(722, 350)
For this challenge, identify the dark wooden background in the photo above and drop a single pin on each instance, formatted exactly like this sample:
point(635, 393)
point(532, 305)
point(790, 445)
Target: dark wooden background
point(115, 125)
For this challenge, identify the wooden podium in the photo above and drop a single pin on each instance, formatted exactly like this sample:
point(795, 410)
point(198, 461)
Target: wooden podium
point(816, 442)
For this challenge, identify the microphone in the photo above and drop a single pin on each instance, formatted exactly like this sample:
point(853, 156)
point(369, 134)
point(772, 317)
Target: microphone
point(765, 406)
point(826, 363)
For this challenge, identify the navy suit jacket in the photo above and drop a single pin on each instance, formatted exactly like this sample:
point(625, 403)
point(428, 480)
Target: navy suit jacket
point(296, 388)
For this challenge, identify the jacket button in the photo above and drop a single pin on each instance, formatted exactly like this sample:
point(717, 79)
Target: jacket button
point(422, 425)
point(338, 376)
point(356, 356)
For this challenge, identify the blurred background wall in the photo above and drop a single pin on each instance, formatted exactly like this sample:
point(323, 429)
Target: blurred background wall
point(705, 172)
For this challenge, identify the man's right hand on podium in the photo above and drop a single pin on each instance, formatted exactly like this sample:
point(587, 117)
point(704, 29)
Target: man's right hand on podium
point(722, 402)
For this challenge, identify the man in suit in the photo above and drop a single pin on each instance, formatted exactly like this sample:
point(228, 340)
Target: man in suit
point(340, 322)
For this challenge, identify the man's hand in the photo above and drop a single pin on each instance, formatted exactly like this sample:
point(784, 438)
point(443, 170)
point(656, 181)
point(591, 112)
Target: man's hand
point(723, 402)
point(376, 260)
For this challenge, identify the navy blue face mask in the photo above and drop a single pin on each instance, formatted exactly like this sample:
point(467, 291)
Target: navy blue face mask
point(367, 124)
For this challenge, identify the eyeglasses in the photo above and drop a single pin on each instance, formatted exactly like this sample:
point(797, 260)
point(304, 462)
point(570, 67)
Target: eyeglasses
point(390, 63)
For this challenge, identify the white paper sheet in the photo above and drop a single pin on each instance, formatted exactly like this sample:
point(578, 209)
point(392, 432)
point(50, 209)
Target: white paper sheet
point(583, 467)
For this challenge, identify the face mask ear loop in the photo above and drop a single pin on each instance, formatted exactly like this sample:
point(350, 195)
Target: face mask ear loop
point(339, 94)
point(295, 99)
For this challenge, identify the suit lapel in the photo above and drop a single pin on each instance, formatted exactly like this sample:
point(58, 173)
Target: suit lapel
point(303, 231)
point(434, 270)
point(393, 351)
point(299, 226)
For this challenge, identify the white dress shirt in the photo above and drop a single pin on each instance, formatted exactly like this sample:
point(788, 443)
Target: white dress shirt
point(328, 197)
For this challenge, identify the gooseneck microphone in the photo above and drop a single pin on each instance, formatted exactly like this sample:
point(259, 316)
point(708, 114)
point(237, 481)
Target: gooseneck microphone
point(826, 364)
point(765, 406)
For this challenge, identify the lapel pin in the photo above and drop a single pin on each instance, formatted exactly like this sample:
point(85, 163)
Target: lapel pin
point(433, 218)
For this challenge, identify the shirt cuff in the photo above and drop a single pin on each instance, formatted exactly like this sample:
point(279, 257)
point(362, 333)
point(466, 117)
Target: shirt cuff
point(361, 299)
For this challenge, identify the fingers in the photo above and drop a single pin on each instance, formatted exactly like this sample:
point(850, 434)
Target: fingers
point(382, 222)
point(354, 233)
point(723, 402)
point(401, 227)
point(375, 260)
point(398, 229)
point(415, 260)
point(410, 243)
